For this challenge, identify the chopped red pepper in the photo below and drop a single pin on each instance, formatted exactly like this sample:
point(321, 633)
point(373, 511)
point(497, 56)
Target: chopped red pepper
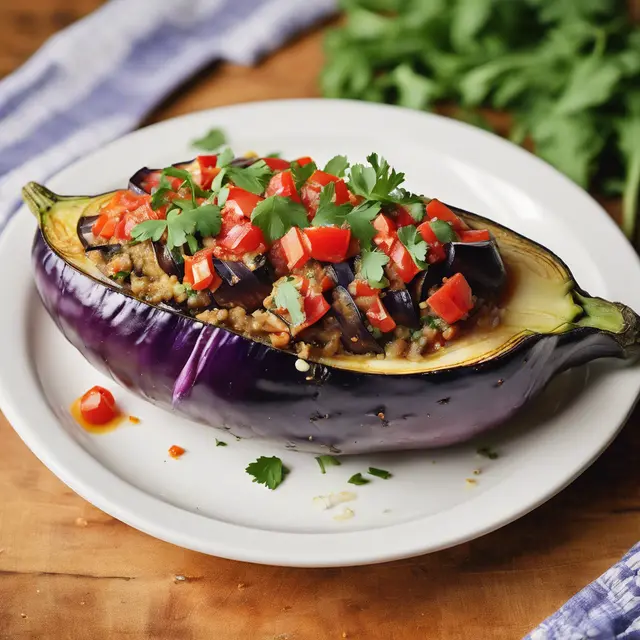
point(98, 406)
point(277, 164)
point(282, 184)
point(244, 238)
point(296, 248)
point(403, 217)
point(436, 251)
point(241, 202)
point(386, 235)
point(315, 307)
point(453, 300)
point(359, 288)
point(436, 209)
point(379, 317)
point(207, 162)
point(304, 160)
point(278, 259)
point(475, 235)
point(202, 272)
point(403, 263)
point(328, 244)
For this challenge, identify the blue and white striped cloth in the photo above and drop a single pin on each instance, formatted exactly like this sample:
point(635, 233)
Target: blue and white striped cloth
point(98, 79)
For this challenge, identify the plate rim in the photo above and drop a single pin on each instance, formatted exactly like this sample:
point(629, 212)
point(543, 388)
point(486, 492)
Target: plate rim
point(105, 501)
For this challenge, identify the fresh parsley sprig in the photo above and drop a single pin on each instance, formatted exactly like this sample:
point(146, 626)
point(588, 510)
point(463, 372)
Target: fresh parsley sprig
point(276, 215)
point(372, 268)
point(414, 244)
point(330, 213)
point(268, 471)
point(301, 173)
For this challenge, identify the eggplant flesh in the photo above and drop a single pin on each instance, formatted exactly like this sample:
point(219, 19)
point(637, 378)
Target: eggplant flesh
point(343, 404)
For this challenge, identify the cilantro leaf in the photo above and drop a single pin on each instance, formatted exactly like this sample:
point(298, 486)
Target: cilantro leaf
point(372, 268)
point(188, 181)
point(358, 479)
point(360, 220)
point(416, 210)
point(159, 197)
point(327, 461)
point(302, 173)
point(337, 166)
point(276, 215)
point(149, 230)
point(328, 212)
point(387, 179)
point(253, 178)
point(443, 231)
point(208, 220)
point(414, 243)
point(379, 473)
point(220, 443)
point(289, 298)
point(213, 139)
point(224, 158)
point(267, 471)
point(362, 180)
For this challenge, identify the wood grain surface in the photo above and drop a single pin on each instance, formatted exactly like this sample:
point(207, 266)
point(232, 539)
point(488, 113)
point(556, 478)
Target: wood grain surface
point(69, 571)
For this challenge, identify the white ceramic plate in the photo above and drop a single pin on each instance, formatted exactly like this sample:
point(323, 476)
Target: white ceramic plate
point(205, 501)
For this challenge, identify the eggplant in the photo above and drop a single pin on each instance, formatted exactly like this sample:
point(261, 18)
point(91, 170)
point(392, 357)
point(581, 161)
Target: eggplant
point(402, 308)
point(346, 403)
point(355, 337)
point(341, 273)
point(242, 287)
point(171, 262)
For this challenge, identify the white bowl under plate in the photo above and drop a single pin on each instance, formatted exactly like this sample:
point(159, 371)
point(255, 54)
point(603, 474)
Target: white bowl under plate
point(205, 501)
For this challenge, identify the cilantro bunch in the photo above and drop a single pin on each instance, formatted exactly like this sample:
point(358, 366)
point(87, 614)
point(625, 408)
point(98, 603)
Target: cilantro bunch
point(568, 71)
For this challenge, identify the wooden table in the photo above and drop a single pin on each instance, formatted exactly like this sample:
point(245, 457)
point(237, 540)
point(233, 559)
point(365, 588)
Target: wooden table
point(68, 570)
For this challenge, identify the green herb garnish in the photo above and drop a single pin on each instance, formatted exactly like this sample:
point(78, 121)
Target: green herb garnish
point(379, 473)
point(488, 452)
point(220, 443)
point(358, 479)
point(267, 471)
point(372, 268)
point(337, 166)
point(120, 276)
point(211, 141)
point(330, 213)
point(414, 244)
point(360, 219)
point(253, 178)
point(302, 173)
point(276, 215)
point(443, 231)
point(327, 461)
point(289, 298)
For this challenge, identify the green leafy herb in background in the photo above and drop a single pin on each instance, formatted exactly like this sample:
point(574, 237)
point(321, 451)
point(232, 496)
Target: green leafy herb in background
point(211, 141)
point(568, 71)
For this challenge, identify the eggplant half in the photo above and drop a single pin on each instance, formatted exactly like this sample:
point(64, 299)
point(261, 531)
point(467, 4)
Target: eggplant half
point(344, 404)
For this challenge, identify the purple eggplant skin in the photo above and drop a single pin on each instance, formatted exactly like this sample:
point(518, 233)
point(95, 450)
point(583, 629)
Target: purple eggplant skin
point(221, 379)
point(241, 286)
point(356, 338)
point(402, 308)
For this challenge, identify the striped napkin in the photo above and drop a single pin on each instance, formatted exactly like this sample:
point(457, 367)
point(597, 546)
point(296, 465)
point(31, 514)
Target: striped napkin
point(98, 79)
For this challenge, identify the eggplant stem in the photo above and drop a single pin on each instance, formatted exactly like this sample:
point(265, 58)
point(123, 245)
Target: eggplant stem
point(39, 199)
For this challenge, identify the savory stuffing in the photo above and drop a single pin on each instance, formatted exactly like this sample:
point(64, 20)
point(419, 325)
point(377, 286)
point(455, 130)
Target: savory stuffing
point(320, 262)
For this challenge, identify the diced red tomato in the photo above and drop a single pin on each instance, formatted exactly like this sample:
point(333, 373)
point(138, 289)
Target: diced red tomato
point(453, 300)
point(379, 317)
point(323, 179)
point(207, 162)
point(386, 235)
point(436, 209)
point(354, 247)
point(201, 271)
point(315, 307)
point(296, 248)
point(304, 160)
point(328, 244)
point(277, 164)
point(241, 202)
point(403, 217)
point(132, 218)
point(436, 251)
point(310, 196)
point(282, 184)
point(474, 235)
point(123, 204)
point(98, 406)
point(278, 258)
point(244, 238)
point(188, 270)
point(403, 263)
point(359, 288)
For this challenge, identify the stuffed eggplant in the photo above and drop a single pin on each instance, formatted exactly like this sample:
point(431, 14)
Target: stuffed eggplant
point(328, 312)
